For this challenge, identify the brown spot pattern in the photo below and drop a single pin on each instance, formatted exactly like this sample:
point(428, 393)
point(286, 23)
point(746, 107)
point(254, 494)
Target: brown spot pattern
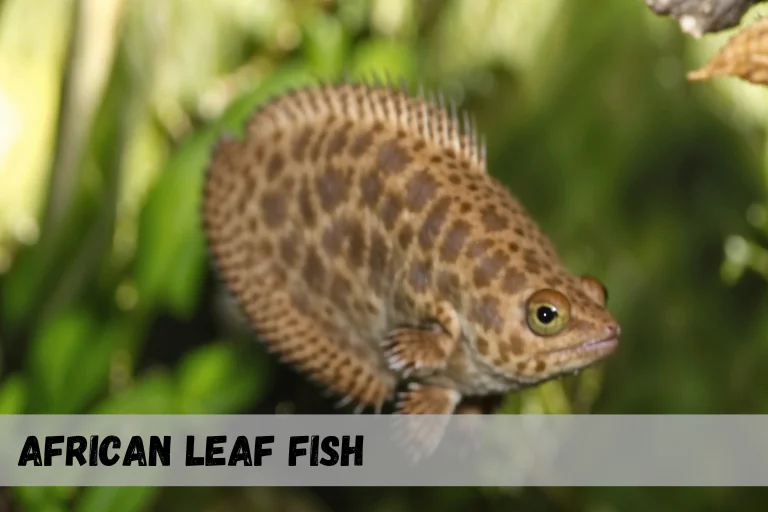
point(314, 271)
point(390, 210)
point(482, 345)
point(305, 204)
point(253, 224)
point(513, 281)
point(504, 353)
point(361, 144)
point(288, 249)
point(430, 229)
point(491, 220)
point(336, 143)
point(356, 254)
point(420, 190)
point(259, 154)
point(478, 248)
point(265, 248)
point(515, 345)
point(287, 184)
point(332, 188)
point(300, 143)
point(530, 257)
point(333, 237)
point(554, 281)
point(371, 187)
point(405, 236)
point(314, 152)
point(379, 254)
point(274, 208)
point(454, 241)
point(485, 311)
point(533, 268)
point(418, 276)
point(275, 165)
point(488, 268)
point(448, 284)
point(242, 202)
point(392, 158)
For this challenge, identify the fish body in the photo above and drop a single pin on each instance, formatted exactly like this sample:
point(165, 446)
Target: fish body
point(359, 230)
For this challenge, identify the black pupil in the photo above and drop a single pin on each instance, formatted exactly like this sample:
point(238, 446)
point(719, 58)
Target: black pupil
point(546, 314)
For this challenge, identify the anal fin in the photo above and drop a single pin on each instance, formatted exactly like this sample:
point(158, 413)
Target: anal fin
point(313, 349)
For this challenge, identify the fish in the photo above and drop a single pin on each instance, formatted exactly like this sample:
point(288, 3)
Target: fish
point(358, 228)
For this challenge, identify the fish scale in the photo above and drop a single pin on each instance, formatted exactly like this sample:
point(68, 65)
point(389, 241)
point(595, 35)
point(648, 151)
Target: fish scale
point(359, 230)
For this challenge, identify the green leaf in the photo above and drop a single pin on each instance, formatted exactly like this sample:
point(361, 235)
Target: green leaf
point(90, 377)
point(43, 499)
point(13, 395)
point(217, 379)
point(152, 394)
point(383, 56)
point(69, 361)
point(116, 499)
point(186, 277)
point(169, 218)
point(326, 45)
point(54, 357)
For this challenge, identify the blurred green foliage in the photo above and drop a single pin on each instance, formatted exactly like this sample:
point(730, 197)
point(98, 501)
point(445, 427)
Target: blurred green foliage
point(108, 111)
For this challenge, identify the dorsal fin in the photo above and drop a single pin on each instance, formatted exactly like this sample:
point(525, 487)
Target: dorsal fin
point(423, 115)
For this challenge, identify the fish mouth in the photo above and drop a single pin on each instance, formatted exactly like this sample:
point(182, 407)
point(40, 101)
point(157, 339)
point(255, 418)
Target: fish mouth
point(593, 349)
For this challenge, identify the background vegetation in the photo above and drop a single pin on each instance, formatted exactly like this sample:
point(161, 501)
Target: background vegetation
point(108, 109)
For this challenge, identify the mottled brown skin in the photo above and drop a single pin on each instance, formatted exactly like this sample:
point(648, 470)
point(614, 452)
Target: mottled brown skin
point(360, 232)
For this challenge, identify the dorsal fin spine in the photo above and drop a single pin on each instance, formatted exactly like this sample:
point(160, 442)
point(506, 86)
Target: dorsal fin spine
point(428, 114)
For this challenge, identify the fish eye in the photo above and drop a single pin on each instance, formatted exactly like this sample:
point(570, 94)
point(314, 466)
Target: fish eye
point(548, 312)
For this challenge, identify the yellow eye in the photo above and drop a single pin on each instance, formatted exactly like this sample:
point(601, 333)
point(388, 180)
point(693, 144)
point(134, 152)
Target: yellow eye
point(548, 312)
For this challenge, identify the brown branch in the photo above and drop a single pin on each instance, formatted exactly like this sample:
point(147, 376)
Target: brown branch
point(699, 17)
